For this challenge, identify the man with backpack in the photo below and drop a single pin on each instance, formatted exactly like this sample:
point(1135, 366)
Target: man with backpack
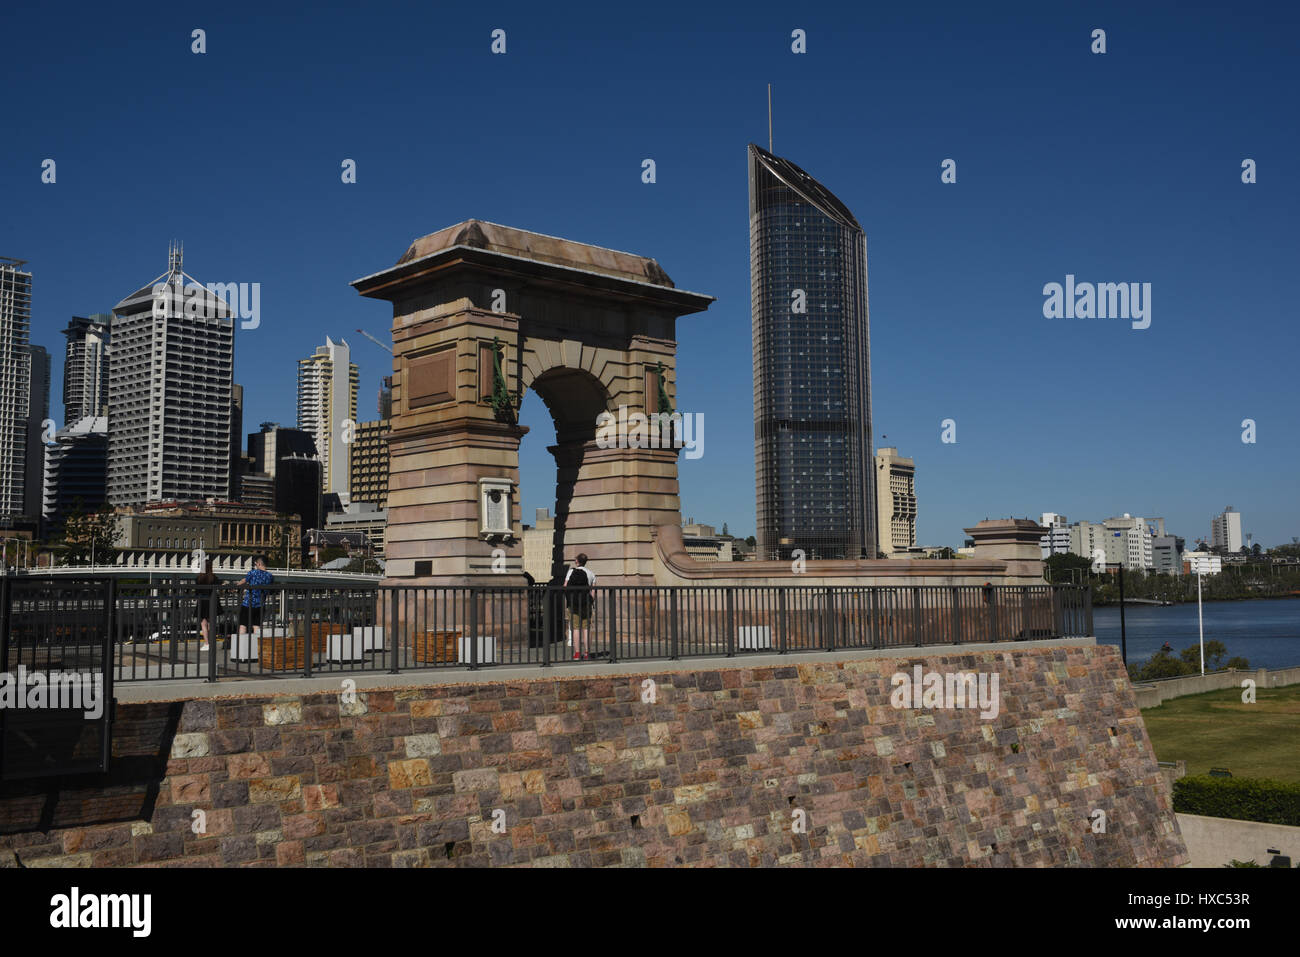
point(578, 596)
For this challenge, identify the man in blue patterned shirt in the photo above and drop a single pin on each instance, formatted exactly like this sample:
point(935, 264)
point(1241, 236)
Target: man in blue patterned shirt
point(250, 608)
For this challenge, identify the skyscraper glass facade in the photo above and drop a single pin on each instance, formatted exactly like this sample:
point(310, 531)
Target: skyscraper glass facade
point(812, 367)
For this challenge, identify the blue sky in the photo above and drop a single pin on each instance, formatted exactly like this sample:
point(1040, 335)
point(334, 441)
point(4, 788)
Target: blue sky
point(1122, 167)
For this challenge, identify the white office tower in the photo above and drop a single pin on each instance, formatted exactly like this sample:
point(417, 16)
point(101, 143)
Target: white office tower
point(895, 503)
point(1225, 530)
point(1056, 540)
point(15, 385)
point(170, 374)
point(327, 402)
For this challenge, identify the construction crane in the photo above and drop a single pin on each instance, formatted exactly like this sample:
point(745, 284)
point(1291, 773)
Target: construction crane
point(376, 341)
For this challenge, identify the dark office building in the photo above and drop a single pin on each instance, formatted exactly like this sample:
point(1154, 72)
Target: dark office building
point(297, 489)
point(76, 470)
point(812, 367)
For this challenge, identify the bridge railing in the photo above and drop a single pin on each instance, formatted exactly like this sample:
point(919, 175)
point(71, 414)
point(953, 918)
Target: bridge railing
point(157, 631)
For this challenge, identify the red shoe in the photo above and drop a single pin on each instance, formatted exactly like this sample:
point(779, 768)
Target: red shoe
point(584, 656)
point(576, 656)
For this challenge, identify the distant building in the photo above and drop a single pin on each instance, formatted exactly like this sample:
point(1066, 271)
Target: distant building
point(274, 442)
point(369, 453)
point(297, 489)
point(236, 439)
point(539, 543)
point(703, 543)
point(15, 387)
point(38, 413)
point(895, 502)
point(76, 468)
point(815, 484)
point(85, 367)
point(1167, 554)
point(1056, 540)
point(364, 517)
point(386, 397)
point(1225, 530)
point(327, 399)
point(162, 528)
point(257, 490)
point(169, 392)
point(317, 540)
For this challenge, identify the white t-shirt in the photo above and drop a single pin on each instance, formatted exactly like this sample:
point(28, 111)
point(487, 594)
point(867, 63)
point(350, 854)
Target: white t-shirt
point(591, 576)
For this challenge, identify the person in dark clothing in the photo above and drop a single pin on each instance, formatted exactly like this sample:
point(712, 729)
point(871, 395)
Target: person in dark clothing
point(578, 594)
point(206, 583)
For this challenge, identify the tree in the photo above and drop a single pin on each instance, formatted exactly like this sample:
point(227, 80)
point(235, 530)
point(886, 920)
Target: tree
point(1066, 567)
point(751, 541)
point(1256, 550)
point(1214, 652)
point(1160, 665)
point(89, 537)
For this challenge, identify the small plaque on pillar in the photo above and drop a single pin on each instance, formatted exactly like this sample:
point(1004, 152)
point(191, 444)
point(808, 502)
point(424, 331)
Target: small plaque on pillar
point(495, 509)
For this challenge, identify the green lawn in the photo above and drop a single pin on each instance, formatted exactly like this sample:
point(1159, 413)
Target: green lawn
point(1260, 740)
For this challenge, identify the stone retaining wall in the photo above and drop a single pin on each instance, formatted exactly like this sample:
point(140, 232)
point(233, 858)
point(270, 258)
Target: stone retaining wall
point(720, 768)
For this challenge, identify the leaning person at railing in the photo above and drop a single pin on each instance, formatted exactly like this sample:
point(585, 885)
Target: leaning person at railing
point(250, 607)
point(206, 582)
point(578, 594)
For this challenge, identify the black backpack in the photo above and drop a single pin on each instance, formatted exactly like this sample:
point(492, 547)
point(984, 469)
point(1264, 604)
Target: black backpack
point(576, 593)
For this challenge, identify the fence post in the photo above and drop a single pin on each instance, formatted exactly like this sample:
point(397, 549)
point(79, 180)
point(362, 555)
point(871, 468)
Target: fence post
point(6, 613)
point(828, 619)
point(784, 624)
point(546, 626)
point(471, 594)
point(672, 625)
point(309, 643)
point(212, 633)
point(173, 629)
point(956, 614)
point(1087, 610)
point(875, 618)
point(731, 621)
point(1024, 612)
point(612, 603)
point(916, 615)
point(394, 637)
point(106, 746)
point(993, 614)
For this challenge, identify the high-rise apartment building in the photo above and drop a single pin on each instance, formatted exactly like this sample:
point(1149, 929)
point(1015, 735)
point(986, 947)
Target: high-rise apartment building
point(327, 401)
point(85, 367)
point(812, 367)
point(38, 413)
point(169, 392)
point(1225, 530)
point(15, 386)
point(896, 502)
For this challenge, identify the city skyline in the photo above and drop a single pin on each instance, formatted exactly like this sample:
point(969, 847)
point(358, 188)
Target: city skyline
point(1093, 416)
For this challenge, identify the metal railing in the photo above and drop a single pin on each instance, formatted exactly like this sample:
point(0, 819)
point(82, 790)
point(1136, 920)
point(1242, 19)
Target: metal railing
point(298, 629)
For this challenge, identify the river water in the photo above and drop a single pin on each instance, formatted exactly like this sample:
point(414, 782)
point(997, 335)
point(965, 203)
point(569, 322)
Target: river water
point(1265, 631)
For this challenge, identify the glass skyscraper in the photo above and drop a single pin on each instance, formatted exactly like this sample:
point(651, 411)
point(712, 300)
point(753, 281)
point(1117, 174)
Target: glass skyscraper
point(812, 367)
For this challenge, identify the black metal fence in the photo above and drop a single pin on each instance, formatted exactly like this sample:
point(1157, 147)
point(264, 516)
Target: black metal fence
point(157, 631)
point(56, 676)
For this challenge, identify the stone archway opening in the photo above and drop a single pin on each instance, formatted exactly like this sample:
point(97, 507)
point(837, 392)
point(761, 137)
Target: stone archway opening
point(573, 400)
